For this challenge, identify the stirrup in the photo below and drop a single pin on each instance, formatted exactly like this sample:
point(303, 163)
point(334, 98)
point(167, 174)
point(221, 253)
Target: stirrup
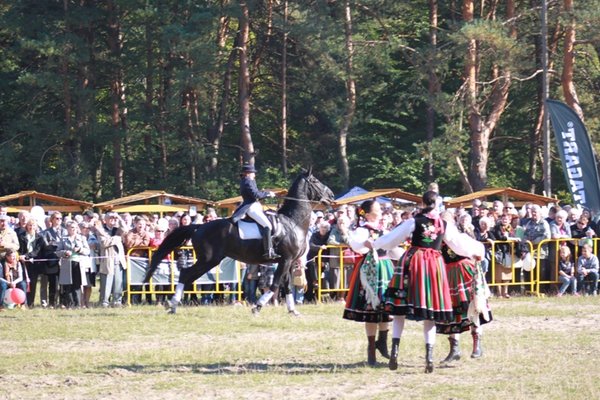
point(271, 255)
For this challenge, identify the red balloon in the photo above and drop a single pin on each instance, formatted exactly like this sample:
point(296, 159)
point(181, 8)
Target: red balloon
point(18, 296)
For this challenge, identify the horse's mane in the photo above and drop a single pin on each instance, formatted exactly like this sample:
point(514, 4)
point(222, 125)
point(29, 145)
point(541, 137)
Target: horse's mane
point(289, 206)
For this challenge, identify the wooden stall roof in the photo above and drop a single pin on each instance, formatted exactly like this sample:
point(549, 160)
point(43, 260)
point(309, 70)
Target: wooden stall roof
point(26, 199)
point(231, 203)
point(504, 194)
point(152, 201)
point(390, 193)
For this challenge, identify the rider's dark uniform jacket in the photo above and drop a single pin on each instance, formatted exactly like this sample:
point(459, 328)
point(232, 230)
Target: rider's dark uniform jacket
point(250, 192)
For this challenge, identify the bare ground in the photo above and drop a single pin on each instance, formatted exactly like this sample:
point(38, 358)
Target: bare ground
point(532, 348)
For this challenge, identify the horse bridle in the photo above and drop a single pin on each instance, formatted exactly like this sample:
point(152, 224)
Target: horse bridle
point(311, 186)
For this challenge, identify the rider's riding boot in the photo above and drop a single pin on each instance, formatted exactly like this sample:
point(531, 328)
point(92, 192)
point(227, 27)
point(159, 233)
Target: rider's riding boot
point(268, 244)
point(454, 354)
point(381, 344)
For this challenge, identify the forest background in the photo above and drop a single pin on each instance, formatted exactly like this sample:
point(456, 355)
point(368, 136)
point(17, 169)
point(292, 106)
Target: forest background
point(103, 99)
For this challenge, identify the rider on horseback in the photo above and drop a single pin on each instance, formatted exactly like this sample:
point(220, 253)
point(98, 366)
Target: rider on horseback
point(251, 207)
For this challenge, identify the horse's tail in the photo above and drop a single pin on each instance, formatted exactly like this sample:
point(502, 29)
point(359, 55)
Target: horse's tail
point(171, 241)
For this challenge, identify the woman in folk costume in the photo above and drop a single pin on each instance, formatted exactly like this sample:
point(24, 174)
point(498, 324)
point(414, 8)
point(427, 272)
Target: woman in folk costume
point(369, 280)
point(463, 277)
point(419, 288)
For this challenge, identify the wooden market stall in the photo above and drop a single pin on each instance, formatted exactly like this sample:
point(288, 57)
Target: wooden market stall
point(518, 197)
point(394, 195)
point(27, 199)
point(154, 202)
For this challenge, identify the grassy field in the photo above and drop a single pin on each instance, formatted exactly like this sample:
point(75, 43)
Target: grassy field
point(535, 349)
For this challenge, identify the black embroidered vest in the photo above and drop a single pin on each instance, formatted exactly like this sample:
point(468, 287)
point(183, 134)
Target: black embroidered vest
point(426, 233)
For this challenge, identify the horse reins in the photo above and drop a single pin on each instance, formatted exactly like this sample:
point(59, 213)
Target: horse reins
point(297, 199)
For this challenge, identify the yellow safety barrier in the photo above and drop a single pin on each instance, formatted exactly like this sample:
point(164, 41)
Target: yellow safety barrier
point(345, 271)
point(169, 288)
point(550, 262)
point(339, 258)
point(518, 278)
point(553, 247)
point(530, 281)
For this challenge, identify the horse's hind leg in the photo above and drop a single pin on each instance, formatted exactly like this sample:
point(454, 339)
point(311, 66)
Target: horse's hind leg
point(188, 275)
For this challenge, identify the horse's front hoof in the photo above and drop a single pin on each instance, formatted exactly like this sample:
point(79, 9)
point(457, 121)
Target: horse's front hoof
point(295, 313)
point(172, 311)
point(256, 309)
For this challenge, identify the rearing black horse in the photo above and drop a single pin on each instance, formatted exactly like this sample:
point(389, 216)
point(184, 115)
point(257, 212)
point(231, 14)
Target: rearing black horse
point(220, 238)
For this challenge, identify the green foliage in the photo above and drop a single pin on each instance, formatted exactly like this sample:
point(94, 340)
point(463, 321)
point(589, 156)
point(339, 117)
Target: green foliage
point(56, 101)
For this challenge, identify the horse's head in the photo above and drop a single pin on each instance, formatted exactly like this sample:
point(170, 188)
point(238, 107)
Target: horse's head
point(316, 190)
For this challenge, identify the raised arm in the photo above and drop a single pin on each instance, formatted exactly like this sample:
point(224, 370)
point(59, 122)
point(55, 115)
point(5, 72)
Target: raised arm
point(396, 236)
point(357, 239)
point(462, 243)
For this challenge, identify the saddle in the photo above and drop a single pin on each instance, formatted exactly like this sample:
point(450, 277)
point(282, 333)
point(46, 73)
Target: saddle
point(250, 229)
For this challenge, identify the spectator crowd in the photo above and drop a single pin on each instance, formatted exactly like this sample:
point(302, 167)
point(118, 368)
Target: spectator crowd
point(79, 261)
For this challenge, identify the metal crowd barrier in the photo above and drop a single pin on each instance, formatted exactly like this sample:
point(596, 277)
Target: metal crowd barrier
point(517, 265)
point(528, 281)
point(551, 262)
point(336, 255)
point(135, 286)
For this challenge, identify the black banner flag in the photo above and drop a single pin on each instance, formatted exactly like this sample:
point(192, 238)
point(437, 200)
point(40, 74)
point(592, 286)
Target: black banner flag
point(576, 154)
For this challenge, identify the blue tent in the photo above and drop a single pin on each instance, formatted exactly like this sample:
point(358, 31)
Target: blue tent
point(355, 191)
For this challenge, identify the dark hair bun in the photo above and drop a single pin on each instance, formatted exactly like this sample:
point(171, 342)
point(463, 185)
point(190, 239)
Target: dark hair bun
point(429, 198)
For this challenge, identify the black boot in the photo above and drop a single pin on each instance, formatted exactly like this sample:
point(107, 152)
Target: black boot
point(371, 357)
point(477, 352)
point(393, 364)
point(268, 244)
point(428, 358)
point(454, 354)
point(381, 344)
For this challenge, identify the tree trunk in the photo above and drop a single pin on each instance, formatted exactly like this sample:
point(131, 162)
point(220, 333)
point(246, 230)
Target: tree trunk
point(84, 111)
point(266, 42)
point(189, 104)
point(117, 91)
point(350, 95)
point(219, 98)
point(568, 86)
point(248, 154)
point(478, 151)
point(433, 86)
point(284, 90)
point(161, 125)
point(67, 98)
point(482, 127)
point(149, 99)
point(535, 136)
